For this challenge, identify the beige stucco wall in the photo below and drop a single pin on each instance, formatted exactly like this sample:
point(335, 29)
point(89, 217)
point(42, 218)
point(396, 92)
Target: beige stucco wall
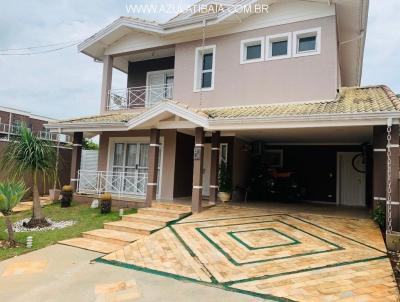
point(168, 159)
point(286, 80)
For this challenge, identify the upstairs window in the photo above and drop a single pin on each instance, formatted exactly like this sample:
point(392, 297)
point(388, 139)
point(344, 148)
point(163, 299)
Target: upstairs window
point(204, 68)
point(252, 50)
point(307, 42)
point(279, 46)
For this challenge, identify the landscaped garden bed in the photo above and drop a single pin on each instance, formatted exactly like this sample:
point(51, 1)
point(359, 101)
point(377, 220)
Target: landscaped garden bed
point(84, 217)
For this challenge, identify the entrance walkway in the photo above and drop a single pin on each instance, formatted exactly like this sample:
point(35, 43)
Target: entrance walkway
point(275, 255)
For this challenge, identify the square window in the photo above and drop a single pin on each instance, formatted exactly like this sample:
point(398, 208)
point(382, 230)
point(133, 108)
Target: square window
point(252, 50)
point(307, 43)
point(279, 48)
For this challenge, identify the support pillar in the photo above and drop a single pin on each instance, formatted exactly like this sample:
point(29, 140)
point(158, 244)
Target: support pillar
point(106, 82)
point(154, 148)
point(198, 154)
point(380, 171)
point(214, 166)
point(76, 158)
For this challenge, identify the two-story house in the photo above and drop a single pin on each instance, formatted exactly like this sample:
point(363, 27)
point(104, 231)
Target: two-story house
point(274, 95)
point(12, 119)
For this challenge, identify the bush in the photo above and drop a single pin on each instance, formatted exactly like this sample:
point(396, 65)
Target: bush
point(379, 215)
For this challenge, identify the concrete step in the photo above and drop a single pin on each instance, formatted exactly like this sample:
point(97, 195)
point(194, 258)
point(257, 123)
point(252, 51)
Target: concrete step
point(131, 227)
point(112, 236)
point(91, 245)
point(160, 221)
point(171, 206)
point(174, 214)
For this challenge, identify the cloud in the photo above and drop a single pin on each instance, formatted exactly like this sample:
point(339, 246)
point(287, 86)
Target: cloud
point(66, 83)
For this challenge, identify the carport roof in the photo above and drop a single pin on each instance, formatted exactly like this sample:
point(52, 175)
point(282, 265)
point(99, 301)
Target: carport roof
point(350, 102)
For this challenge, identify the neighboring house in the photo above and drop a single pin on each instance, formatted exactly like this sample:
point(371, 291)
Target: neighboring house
point(282, 86)
point(10, 122)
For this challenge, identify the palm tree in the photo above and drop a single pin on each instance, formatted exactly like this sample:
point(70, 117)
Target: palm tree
point(11, 193)
point(29, 154)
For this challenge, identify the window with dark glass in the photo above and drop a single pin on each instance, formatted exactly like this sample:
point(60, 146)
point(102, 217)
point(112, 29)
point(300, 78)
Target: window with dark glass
point(279, 48)
point(253, 52)
point(206, 77)
point(307, 44)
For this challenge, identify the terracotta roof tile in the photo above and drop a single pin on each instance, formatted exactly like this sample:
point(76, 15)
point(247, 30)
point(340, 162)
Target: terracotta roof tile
point(353, 100)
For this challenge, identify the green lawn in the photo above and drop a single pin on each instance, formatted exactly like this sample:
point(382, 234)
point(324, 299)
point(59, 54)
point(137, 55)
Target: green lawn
point(87, 219)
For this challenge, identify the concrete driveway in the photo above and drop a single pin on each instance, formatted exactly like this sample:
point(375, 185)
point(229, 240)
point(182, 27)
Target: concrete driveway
point(61, 273)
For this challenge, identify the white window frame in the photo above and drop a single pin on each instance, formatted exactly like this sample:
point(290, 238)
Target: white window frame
point(250, 42)
point(277, 38)
point(198, 67)
point(134, 140)
point(306, 33)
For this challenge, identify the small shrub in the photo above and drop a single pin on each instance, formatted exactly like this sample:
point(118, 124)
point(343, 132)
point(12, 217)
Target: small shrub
point(105, 203)
point(67, 192)
point(379, 216)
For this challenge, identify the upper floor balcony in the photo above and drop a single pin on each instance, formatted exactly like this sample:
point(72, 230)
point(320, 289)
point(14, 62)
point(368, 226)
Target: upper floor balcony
point(9, 131)
point(139, 97)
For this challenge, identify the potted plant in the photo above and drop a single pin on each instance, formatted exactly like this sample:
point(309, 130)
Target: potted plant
point(67, 192)
point(225, 184)
point(105, 203)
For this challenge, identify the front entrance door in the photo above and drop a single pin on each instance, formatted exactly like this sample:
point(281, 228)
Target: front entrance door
point(351, 179)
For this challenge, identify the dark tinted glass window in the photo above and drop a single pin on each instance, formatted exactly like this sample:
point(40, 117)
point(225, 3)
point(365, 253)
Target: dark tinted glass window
point(207, 61)
point(206, 80)
point(307, 43)
point(253, 52)
point(279, 48)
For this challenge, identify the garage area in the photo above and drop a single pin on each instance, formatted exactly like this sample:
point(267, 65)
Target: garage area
point(320, 165)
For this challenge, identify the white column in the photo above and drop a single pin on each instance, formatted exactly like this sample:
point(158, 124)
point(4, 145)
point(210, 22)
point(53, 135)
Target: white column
point(106, 81)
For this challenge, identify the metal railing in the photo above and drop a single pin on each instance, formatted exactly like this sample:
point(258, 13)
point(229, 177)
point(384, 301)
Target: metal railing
point(9, 129)
point(138, 97)
point(119, 183)
point(54, 137)
point(12, 130)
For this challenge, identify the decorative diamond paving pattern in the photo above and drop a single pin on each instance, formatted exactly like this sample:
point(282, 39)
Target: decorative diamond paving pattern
point(278, 256)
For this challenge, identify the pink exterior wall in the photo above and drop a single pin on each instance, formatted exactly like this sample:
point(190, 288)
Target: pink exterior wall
point(286, 80)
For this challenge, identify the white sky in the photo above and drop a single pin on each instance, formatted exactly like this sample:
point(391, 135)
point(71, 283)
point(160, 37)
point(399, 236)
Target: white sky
point(66, 83)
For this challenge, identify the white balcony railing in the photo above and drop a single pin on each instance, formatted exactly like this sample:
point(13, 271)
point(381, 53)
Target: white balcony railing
point(119, 183)
point(11, 130)
point(138, 97)
point(54, 137)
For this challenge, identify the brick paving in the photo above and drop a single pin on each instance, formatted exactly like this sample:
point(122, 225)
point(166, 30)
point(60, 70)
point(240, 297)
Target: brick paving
point(276, 255)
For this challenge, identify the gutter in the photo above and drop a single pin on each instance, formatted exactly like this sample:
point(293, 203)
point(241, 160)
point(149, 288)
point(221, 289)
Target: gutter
point(364, 22)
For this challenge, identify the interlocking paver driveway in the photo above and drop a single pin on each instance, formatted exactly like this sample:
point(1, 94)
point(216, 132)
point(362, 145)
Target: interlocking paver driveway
point(275, 255)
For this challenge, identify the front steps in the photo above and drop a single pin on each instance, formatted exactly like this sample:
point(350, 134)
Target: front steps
point(130, 228)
